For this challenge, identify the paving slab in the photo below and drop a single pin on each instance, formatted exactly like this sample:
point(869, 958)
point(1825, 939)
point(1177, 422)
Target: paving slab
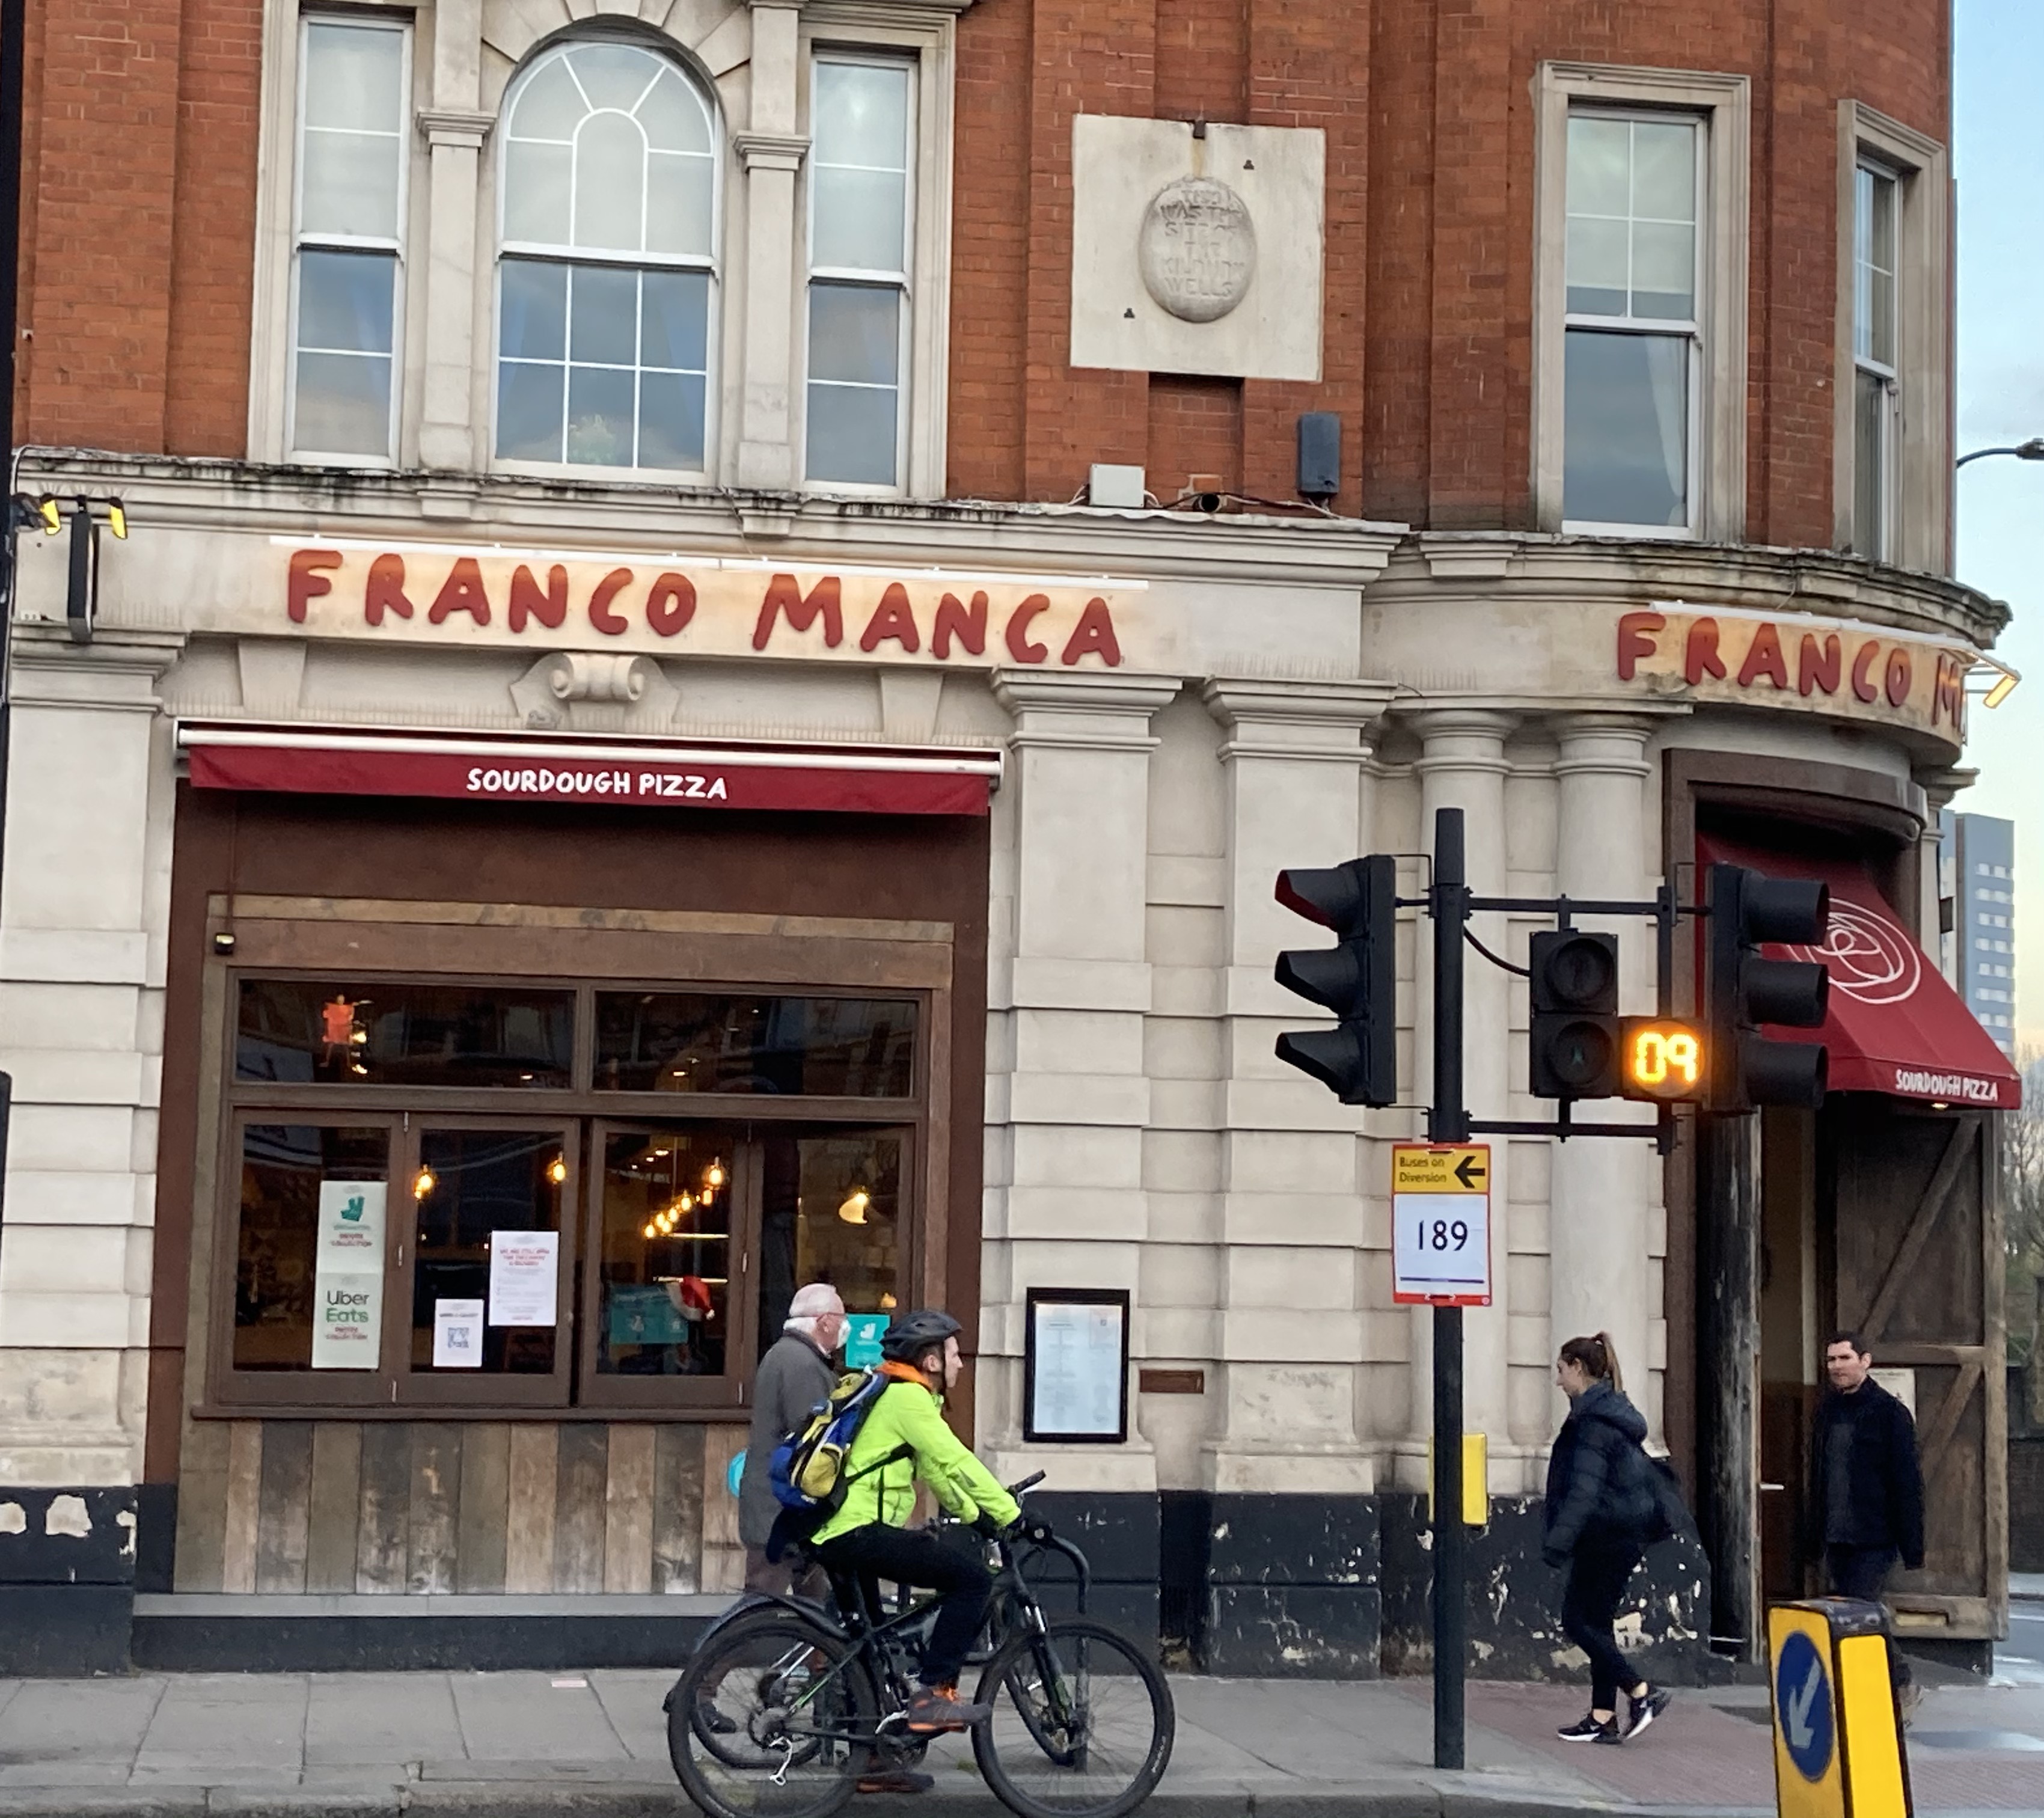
point(526, 1717)
point(212, 1721)
point(53, 1721)
point(631, 1699)
point(380, 1716)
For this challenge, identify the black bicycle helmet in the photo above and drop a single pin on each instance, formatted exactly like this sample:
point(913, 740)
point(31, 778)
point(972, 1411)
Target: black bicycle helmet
point(912, 1336)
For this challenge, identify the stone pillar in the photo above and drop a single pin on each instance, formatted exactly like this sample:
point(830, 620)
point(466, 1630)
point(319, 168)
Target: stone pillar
point(771, 153)
point(83, 920)
point(1462, 764)
point(1941, 788)
point(1291, 1313)
point(1601, 1217)
point(1292, 1557)
point(455, 128)
point(1067, 1094)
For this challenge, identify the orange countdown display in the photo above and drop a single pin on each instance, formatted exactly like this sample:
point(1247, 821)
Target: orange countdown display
point(1662, 1060)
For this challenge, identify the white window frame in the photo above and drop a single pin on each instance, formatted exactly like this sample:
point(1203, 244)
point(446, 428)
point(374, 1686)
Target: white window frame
point(486, 456)
point(1920, 493)
point(1722, 106)
point(1877, 545)
point(854, 30)
point(903, 282)
point(273, 333)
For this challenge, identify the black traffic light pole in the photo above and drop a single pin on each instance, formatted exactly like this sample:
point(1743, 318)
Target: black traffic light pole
point(1448, 1121)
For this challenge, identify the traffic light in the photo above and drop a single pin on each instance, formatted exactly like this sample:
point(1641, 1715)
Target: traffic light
point(1356, 978)
point(1742, 990)
point(1574, 1045)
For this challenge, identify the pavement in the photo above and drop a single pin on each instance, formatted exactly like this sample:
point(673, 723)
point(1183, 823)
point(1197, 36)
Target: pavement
point(592, 1745)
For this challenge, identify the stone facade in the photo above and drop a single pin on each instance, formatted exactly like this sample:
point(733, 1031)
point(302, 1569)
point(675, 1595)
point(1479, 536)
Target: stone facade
point(1290, 687)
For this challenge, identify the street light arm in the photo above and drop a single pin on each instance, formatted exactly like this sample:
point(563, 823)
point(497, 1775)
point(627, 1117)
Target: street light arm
point(2032, 450)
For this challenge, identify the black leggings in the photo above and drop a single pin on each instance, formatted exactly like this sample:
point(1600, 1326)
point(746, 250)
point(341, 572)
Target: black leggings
point(916, 1556)
point(1597, 1576)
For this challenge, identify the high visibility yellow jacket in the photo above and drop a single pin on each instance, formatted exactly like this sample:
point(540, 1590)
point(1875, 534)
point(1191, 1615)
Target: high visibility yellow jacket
point(909, 1418)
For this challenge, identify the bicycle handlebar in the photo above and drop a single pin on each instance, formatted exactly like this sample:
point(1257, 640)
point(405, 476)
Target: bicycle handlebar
point(1028, 1484)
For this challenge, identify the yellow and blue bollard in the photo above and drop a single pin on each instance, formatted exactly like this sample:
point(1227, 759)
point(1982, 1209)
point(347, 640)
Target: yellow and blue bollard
point(1839, 1751)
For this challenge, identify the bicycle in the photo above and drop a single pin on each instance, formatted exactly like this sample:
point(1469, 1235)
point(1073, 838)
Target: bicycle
point(783, 1709)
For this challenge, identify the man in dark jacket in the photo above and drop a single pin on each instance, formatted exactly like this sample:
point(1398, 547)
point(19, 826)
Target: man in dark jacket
point(1866, 1506)
point(793, 1376)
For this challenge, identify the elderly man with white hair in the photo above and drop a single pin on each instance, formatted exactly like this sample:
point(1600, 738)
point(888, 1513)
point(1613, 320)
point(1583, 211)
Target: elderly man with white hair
point(794, 1376)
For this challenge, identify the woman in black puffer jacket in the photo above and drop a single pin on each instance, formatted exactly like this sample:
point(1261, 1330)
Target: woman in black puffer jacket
point(1603, 1509)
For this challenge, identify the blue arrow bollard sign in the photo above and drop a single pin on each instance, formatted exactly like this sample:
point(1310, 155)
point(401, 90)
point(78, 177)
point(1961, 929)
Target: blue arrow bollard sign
point(1803, 1706)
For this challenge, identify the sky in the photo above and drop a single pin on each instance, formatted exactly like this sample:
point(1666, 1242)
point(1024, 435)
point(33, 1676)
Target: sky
point(1998, 159)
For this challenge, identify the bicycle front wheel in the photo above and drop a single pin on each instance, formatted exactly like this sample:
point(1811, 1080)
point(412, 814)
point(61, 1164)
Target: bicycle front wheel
point(766, 1720)
point(1082, 1723)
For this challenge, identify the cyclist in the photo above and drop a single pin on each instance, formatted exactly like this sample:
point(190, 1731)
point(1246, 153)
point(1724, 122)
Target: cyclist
point(903, 1437)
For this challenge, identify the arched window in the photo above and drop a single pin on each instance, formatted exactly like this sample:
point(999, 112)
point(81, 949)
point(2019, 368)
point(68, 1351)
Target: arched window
point(608, 231)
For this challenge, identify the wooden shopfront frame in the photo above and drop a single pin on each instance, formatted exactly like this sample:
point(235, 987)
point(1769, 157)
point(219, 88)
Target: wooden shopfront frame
point(583, 952)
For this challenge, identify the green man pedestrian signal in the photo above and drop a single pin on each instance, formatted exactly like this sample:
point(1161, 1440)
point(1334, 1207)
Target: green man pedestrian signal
point(1574, 1044)
point(1742, 990)
point(1356, 979)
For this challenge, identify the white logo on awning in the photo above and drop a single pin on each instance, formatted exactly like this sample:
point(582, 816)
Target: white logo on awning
point(1870, 959)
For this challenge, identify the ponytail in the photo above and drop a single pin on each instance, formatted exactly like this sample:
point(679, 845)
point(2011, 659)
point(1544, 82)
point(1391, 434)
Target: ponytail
point(1597, 1358)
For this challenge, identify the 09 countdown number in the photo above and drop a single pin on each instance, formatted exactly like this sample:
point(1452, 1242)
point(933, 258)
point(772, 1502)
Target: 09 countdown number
point(1662, 1060)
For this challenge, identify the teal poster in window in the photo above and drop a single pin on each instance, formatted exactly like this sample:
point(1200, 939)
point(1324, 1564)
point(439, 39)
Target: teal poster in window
point(862, 1339)
point(645, 1316)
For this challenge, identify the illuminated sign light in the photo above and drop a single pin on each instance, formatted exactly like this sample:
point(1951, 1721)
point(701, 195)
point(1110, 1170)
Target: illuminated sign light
point(1662, 1060)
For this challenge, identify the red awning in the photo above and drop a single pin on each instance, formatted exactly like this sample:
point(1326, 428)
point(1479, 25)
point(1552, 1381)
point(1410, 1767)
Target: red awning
point(1894, 1026)
point(663, 773)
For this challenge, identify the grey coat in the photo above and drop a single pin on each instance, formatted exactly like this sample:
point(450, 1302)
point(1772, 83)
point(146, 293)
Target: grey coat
point(793, 1376)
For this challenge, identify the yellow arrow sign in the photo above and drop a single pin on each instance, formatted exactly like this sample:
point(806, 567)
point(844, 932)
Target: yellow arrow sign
point(1463, 1168)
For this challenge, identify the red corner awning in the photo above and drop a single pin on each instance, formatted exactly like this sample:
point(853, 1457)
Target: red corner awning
point(1894, 1026)
point(653, 772)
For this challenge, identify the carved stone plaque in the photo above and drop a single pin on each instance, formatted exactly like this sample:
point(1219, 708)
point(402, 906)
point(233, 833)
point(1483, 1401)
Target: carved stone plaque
point(1197, 249)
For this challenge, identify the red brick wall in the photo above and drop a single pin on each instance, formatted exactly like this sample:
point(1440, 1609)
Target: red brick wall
point(138, 212)
point(1428, 341)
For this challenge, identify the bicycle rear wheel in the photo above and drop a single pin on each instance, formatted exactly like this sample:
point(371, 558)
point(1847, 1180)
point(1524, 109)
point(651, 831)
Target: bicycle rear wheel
point(763, 1722)
point(1082, 1723)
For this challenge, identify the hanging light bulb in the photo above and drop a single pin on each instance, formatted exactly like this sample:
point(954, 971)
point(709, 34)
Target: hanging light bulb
point(557, 1169)
point(708, 1196)
point(652, 1231)
point(715, 1175)
point(853, 1210)
point(423, 1183)
point(685, 1204)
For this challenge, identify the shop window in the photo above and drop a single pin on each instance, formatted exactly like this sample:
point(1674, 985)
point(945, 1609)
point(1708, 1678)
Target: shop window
point(664, 1306)
point(396, 1033)
point(347, 257)
point(850, 1047)
point(861, 234)
point(486, 1252)
point(1640, 300)
point(607, 278)
point(411, 1225)
point(310, 1258)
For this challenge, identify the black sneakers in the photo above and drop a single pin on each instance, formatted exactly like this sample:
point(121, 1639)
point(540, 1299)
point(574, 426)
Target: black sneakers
point(1590, 1730)
point(1645, 1710)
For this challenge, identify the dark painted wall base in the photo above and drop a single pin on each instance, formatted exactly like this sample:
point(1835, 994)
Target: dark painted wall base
point(67, 1580)
point(1515, 1602)
point(404, 1643)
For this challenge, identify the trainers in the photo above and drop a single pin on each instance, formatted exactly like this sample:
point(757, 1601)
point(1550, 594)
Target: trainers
point(1590, 1730)
point(712, 1722)
point(933, 1710)
point(897, 1780)
point(1645, 1710)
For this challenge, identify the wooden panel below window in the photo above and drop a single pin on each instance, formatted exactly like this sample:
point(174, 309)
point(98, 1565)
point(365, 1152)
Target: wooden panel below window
point(392, 1507)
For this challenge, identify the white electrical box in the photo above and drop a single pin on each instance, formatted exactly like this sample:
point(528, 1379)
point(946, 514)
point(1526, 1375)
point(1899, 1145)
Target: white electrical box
point(1109, 484)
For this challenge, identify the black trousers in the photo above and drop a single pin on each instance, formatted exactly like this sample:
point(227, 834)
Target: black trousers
point(916, 1556)
point(1597, 1576)
point(1860, 1572)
